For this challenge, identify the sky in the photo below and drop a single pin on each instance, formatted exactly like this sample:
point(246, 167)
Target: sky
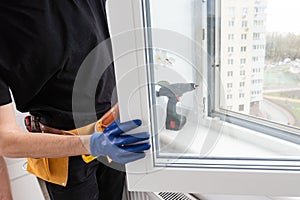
point(283, 16)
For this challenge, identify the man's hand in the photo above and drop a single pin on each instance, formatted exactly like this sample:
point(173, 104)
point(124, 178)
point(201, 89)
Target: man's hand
point(120, 148)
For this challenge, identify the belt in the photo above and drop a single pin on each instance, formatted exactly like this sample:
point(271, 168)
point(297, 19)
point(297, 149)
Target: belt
point(55, 170)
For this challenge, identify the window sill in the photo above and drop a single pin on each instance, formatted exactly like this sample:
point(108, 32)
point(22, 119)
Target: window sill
point(215, 138)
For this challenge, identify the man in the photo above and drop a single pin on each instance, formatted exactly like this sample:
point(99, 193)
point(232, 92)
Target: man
point(43, 44)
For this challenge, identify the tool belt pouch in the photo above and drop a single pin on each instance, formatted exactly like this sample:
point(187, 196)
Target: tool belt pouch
point(55, 170)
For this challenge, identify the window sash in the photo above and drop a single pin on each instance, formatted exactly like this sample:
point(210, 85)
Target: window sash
point(141, 175)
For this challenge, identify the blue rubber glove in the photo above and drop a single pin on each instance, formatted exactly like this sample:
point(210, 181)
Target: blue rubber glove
point(120, 148)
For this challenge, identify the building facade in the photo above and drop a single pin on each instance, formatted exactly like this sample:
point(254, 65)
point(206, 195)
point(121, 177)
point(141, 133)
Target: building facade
point(243, 41)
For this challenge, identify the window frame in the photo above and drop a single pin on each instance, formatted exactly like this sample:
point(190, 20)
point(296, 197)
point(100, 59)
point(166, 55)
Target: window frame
point(145, 175)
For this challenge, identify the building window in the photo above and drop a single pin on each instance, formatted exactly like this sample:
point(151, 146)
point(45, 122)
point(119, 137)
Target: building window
point(256, 81)
point(231, 23)
point(258, 22)
point(243, 60)
point(244, 23)
point(258, 10)
point(256, 92)
point(259, 46)
point(229, 85)
point(242, 84)
point(255, 58)
point(229, 73)
point(229, 96)
point(243, 49)
point(244, 36)
point(230, 49)
point(242, 73)
point(241, 107)
point(256, 36)
point(244, 12)
point(230, 36)
point(230, 61)
point(242, 95)
point(256, 70)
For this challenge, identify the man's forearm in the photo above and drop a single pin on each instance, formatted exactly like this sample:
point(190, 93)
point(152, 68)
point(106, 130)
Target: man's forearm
point(17, 143)
point(36, 145)
point(5, 191)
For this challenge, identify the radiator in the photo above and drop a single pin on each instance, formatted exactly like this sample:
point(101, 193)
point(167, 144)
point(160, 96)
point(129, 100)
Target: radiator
point(159, 196)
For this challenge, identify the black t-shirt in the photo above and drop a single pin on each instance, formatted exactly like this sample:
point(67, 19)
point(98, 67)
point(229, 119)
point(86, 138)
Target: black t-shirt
point(43, 46)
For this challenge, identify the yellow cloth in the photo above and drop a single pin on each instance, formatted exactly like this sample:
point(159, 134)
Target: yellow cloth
point(55, 170)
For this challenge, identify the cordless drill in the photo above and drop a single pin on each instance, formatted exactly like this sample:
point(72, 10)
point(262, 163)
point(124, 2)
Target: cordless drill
point(174, 121)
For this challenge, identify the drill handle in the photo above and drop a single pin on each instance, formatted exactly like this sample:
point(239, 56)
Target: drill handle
point(171, 107)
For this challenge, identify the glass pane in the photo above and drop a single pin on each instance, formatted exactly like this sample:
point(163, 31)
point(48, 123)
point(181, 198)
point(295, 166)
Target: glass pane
point(175, 72)
point(178, 68)
point(260, 59)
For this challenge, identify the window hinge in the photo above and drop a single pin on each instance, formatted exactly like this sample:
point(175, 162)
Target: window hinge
point(204, 105)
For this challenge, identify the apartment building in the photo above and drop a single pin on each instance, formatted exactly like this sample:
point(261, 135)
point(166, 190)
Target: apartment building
point(242, 54)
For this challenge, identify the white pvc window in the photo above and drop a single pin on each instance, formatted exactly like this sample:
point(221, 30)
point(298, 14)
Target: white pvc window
point(209, 140)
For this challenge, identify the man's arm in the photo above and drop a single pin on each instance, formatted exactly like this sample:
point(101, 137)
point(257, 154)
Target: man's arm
point(17, 143)
point(5, 192)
